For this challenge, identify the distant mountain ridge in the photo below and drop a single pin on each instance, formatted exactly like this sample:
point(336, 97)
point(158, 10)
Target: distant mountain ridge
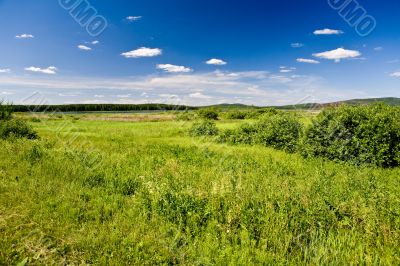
point(392, 101)
point(167, 107)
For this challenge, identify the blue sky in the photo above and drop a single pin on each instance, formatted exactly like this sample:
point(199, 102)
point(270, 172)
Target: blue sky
point(197, 52)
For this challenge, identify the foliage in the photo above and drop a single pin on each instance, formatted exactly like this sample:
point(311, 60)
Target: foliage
point(236, 115)
point(203, 128)
point(249, 114)
point(186, 116)
point(16, 128)
point(210, 114)
point(281, 131)
point(5, 111)
point(160, 197)
point(360, 135)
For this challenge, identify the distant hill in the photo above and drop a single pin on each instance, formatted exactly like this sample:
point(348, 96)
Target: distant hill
point(166, 107)
point(390, 101)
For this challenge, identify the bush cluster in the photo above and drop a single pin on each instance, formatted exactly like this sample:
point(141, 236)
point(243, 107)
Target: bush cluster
point(360, 135)
point(281, 131)
point(186, 116)
point(203, 128)
point(16, 128)
point(249, 114)
point(5, 111)
point(208, 114)
point(13, 128)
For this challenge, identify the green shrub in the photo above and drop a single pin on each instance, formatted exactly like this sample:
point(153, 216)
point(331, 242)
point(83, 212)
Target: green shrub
point(209, 114)
point(360, 135)
point(186, 116)
point(262, 112)
point(281, 131)
point(250, 114)
point(204, 128)
point(16, 128)
point(245, 134)
point(35, 120)
point(236, 115)
point(5, 111)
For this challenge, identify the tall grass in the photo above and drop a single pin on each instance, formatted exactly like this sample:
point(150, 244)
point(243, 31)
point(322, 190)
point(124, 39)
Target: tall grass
point(162, 197)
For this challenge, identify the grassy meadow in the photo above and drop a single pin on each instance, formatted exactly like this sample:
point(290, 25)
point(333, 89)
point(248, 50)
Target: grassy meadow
point(137, 189)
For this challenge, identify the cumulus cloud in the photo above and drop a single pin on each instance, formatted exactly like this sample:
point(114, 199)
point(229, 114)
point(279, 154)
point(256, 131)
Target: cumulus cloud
point(338, 54)
point(286, 70)
point(216, 62)
point(308, 61)
point(173, 68)
point(199, 95)
point(25, 36)
point(95, 42)
point(133, 18)
point(50, 70)
point(5, 70)
point(297, 45)
point(248, 87)
point(84, 48)
point(328, 32)
point(395, 74)
point(142, 52)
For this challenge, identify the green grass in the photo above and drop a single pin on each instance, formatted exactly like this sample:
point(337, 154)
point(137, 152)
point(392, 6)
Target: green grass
point(161, 197)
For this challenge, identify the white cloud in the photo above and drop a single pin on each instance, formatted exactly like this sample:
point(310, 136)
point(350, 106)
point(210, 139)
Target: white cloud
point(166, 95)
point(124, 96)
point(308, 61)
point(25, 36)
point(286, 70)
point(216, 62)
point(95, 42)
point(328, 32)
point(297, 45)
point(378, 49)
point(173, 68)
point(338, 54)
point(50, 70)
point(395, 74)
point(84, 48)
point(199, 95)
point(248, 87)
point(99, 96)
point(142, 52)
point(133, 18)
point(5, 70)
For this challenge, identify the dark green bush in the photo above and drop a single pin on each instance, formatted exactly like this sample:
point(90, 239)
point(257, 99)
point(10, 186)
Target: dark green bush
point(281, 131)
point(262, 112)
point(186, 116)
point(236, 115)
point(203, 128)
point(245, 134)
point(250, 114)
point(360, 135)
point(16, 128)
point(209, 114)
point(5, 111)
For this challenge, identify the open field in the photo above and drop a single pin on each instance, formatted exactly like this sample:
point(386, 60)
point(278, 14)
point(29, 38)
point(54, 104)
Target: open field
point(101, 189)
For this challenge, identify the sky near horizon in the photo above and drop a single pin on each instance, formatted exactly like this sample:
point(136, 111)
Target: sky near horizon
point(204, 52)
